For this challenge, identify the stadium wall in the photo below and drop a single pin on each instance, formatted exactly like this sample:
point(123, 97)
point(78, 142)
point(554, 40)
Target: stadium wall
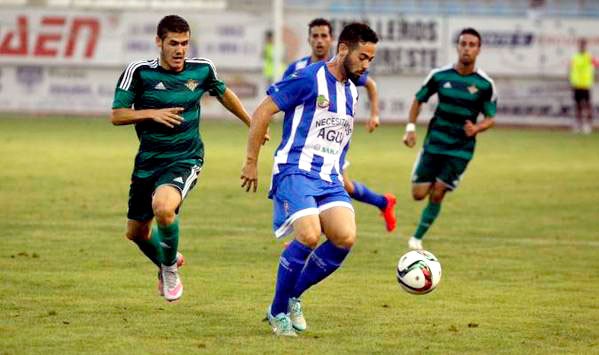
point(67, 62)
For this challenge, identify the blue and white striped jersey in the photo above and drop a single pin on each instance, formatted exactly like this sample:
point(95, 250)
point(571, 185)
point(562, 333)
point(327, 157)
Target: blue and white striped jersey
point(305, 61)
point(318, 123)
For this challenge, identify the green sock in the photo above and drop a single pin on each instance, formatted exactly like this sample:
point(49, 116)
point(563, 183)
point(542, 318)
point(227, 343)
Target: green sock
point(429, 214)
point(151, 248)
point(169, 235)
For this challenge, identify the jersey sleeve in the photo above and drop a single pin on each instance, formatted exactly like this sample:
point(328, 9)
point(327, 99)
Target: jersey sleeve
point(428, 89)
point(124, 94)
point(291, 91)
point(213, 84)
point(290, 69)
point(490, 102)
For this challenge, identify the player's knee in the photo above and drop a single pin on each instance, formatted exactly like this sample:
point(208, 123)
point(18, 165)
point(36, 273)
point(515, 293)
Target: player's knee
point(164, 215)
point(420, 191)
point(438, 194)
point(309, 238)
point(345, 239)
point(138, 235)
point(418, 196)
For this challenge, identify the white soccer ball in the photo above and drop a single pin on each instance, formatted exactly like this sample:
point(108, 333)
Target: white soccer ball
point(418, 272)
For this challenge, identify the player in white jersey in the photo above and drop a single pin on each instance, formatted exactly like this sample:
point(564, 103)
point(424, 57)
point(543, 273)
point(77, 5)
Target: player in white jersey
point(320, 38)
point(307, 190)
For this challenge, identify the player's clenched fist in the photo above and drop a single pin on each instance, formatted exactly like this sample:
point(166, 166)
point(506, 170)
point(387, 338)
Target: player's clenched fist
point(409, 139)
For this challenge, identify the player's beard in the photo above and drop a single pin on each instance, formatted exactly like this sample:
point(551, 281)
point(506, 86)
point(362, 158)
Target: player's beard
point(467, 61)
point(347, 67)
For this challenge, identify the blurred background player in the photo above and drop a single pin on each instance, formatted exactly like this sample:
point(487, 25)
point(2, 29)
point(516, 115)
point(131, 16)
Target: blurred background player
point(165, 94)
point(268, 65)
point(307, 191)
point(320, 38)
point(582, 77)
point(463, 92)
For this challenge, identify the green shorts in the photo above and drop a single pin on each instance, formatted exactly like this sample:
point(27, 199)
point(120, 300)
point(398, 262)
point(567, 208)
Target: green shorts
point(446, 169)
point(182, 176)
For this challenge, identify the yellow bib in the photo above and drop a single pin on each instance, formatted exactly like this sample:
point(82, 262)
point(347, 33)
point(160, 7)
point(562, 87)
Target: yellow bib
point(582, 71)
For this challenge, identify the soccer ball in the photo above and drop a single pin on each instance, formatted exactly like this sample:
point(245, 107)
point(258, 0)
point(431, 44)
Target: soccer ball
point(418, 272)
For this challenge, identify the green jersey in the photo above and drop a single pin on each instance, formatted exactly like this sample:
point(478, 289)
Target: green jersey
point(461, 98)
point(146, 85)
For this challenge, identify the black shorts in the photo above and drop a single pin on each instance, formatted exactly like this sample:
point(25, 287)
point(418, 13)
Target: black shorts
point(446, 169)
point(581, 95)
point(183, 177)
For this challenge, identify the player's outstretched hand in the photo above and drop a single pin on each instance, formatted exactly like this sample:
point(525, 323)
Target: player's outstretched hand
point(470, 128)
point(249, 177)
point(409, 139)
point(372, 123)
point(168, 116)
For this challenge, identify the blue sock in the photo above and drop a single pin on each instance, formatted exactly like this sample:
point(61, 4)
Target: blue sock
point(363, 194)
point(324, 261)
point(291, 263)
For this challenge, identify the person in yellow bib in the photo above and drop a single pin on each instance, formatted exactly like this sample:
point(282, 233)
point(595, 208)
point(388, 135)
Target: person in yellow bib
point(582, 74)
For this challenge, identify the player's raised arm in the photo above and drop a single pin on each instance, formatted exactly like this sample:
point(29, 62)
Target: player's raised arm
point(409, 137)
point(258, 128)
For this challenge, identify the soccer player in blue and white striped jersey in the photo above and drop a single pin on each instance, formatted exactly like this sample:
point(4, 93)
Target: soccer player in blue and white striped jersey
point(320, 38)
point(307, 189)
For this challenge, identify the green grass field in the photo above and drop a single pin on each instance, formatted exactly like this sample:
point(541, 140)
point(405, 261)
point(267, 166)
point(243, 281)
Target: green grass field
point(518, 241)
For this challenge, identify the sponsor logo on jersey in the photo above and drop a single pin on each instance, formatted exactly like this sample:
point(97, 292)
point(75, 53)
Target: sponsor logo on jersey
point(472, 89)
point(191, 84)
point(160, 86)
point(322, 101)
point(179, 180)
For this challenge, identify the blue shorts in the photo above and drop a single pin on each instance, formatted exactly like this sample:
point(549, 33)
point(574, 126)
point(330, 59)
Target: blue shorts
point(298, 195)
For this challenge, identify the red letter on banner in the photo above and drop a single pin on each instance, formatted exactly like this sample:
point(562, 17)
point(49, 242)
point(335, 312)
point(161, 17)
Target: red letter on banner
point(21, 48)
point(94, 31)
point(44, 38)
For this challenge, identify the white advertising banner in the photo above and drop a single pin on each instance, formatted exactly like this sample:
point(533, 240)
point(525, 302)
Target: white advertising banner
point(408, 44)
point(90, 91)
point(57, 37)
point(525, 46)
point(558, 41)
point(42, 37)
point(232, 40)
point(58, 89)
point(522, 101)
point(66, 61)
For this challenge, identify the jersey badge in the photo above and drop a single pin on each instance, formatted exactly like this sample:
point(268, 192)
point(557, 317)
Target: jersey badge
point(191, 84)
point(160, 86)
point(322, 101)
point(472, 89)
point(447, 85)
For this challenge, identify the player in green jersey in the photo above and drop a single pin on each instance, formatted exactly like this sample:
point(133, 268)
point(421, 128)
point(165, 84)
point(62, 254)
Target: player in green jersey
point(161, 98)
point(464, 92)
